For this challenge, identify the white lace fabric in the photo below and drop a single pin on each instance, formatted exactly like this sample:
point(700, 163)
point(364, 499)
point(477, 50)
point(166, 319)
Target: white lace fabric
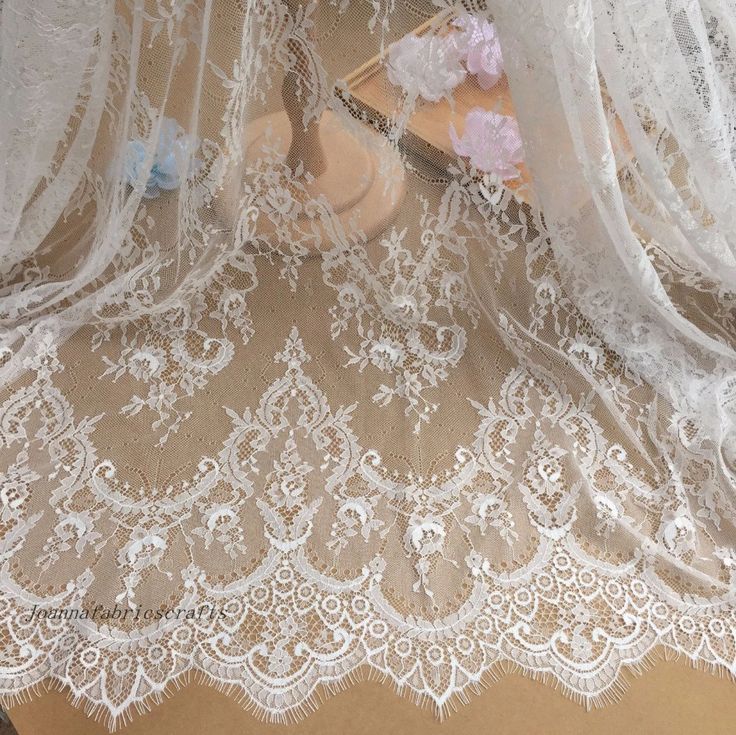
point(498, 433)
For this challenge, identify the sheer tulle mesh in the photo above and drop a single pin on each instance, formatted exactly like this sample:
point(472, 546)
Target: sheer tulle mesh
point(371, 401)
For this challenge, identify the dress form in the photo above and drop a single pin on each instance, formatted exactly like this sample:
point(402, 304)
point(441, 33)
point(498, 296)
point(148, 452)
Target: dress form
point(363, 182)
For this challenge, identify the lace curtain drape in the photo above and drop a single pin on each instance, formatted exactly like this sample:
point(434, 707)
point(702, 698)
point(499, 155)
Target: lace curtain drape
point(397, 410)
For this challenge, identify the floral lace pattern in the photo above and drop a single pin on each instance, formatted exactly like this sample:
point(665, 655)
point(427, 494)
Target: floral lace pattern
point(428, 453)
point(560, 610)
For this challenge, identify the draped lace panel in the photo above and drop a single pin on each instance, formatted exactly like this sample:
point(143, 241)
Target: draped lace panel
point(351, 336)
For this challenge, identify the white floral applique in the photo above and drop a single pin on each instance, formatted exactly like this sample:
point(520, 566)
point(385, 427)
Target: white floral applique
point(150, 519)
point(173, 354)
point(404, 312)
point(293, 413)
point(38, 428)
point(426, 66)
point(491, 141)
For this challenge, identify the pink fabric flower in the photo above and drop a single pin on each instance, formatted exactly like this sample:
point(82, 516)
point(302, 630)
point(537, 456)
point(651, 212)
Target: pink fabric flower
point(491, 141)
point(479, 45)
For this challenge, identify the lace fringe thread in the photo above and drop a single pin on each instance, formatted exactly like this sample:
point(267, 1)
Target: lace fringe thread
point(326, 689)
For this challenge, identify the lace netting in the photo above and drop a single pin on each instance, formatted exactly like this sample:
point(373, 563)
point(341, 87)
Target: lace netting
point(445, 385)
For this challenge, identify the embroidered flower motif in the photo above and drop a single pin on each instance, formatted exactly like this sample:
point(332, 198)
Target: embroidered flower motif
point(279, 662)
point(579, 642)
point(677, 532)
point(479, 45)
point(145, 363)
point(491, 141)
point(73, 530)
point(173, 154)
point(287, 483)
point(353, 517)
point(608, 512)
point(145, 548)
point(425, 536)
point(15, 489)
point(727, 557)
point(220, 523)
point(490, 511)
point(409, 300)
point(289, 627)
point(387, 354)
point(428, 67)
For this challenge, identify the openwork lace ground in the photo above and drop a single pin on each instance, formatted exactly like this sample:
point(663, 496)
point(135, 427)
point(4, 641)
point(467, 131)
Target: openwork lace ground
point(292, 623)
point(488, 437)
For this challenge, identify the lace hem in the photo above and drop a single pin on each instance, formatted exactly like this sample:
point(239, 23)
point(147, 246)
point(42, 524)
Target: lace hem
point(532, 627)
point(361, 673)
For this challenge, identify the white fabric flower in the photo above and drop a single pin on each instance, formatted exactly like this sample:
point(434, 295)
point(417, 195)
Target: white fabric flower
point(428, 67)
point(491, 141)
